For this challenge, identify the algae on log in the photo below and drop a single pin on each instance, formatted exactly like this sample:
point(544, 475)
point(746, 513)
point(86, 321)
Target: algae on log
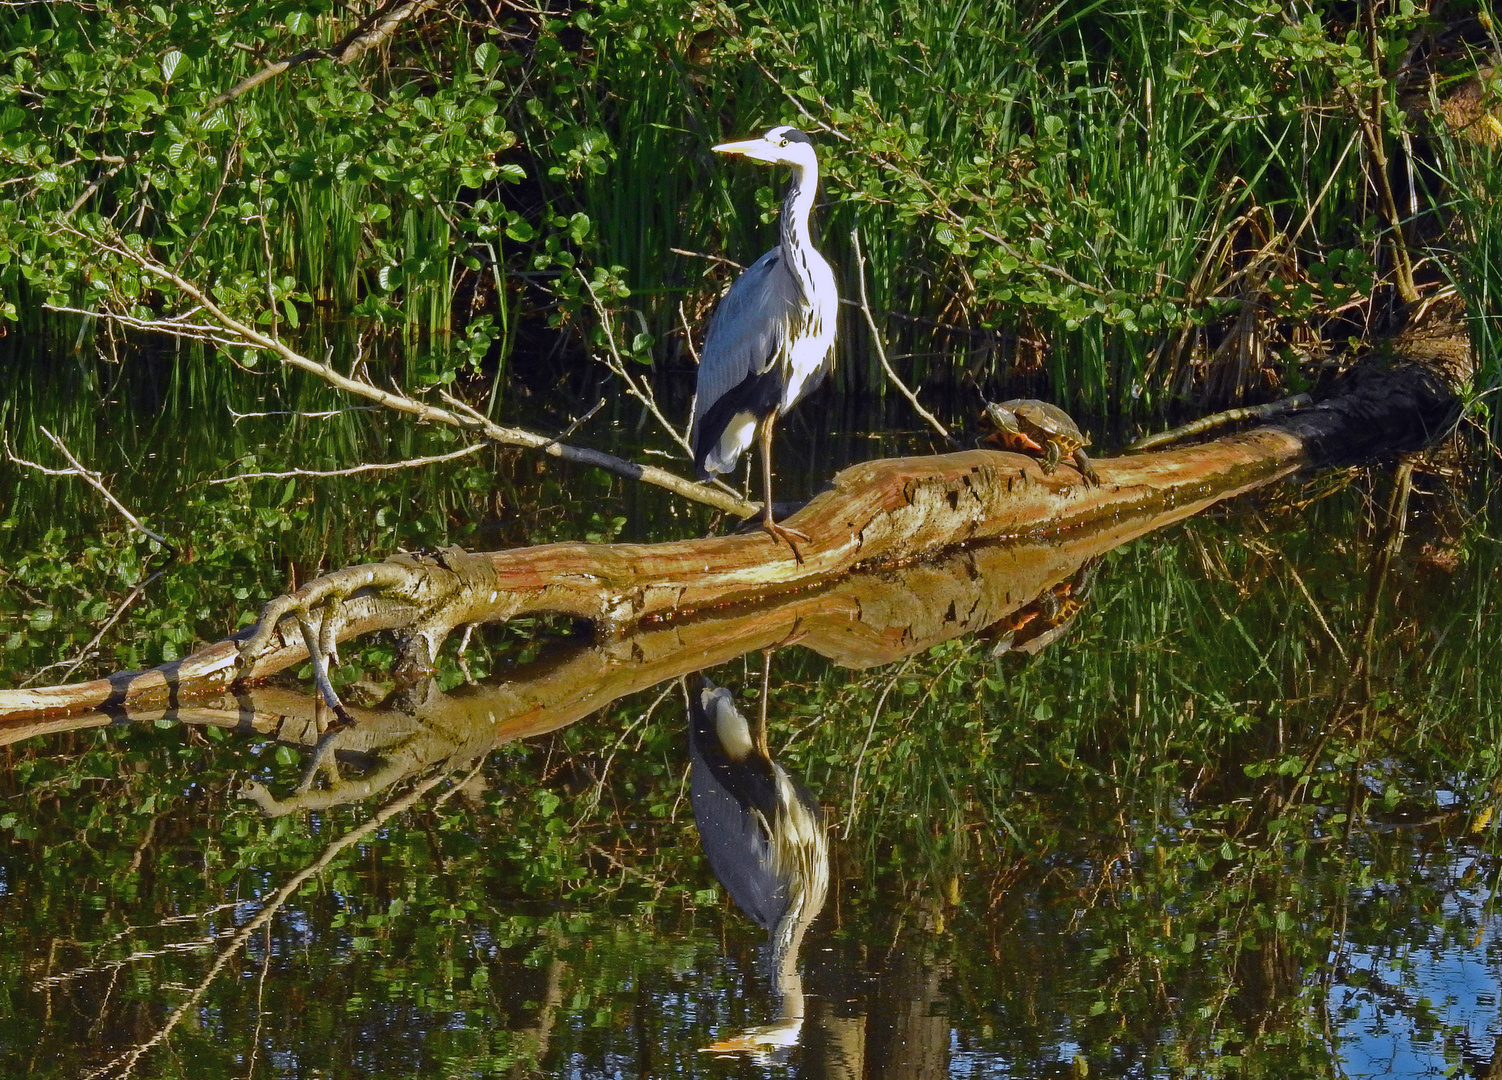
point(879, 512)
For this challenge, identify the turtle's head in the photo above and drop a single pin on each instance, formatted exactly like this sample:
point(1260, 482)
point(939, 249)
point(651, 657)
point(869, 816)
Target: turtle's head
point(1004, 418)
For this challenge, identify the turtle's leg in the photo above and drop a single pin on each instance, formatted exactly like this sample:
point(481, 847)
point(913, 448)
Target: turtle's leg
point(1052, 452)
point(1086, 469)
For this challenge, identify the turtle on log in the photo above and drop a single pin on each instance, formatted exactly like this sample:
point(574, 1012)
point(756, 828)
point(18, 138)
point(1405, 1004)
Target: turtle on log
point(1037, 427)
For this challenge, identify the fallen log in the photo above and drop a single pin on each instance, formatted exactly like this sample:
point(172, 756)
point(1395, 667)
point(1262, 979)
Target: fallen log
point(876, 513)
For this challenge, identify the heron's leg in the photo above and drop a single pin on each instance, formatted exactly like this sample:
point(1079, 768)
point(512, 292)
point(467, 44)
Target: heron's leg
point(759, 737)
point(778, 532)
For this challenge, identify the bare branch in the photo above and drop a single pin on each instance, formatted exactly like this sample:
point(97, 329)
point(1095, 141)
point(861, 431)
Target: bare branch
point(176, 325)
point(881, 352)
point(320, 414)
point(91, 478)
point(465, 418)
point(378, 466)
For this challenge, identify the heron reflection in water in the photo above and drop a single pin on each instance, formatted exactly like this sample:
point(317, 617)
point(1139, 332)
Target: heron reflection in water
point(763, 834)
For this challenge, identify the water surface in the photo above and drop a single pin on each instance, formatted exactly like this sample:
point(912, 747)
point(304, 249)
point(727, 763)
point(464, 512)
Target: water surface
point(1237, 818)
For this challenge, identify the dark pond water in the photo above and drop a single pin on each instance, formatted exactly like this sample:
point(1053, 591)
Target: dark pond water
point(1220, 803)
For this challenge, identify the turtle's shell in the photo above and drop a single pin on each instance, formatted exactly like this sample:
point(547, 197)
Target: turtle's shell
point(1048, 420)
point(1038, 422)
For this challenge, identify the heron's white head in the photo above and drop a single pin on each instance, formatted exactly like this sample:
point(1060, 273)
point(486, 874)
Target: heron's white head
point(781, 146)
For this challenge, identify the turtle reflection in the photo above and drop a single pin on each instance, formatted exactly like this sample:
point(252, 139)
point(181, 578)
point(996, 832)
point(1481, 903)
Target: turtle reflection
point(1035, 626)
point(763, 834)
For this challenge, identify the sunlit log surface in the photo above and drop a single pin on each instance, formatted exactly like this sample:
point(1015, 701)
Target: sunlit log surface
point(879, 513)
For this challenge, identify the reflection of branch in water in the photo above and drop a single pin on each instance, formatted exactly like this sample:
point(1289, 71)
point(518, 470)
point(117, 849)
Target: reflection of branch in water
point(255, 1035)
point(870, 618)
point(855, 779)
point(763, 833)
point(438, 730)
point(124, 1065)
point(592, 801)
point(99, 966)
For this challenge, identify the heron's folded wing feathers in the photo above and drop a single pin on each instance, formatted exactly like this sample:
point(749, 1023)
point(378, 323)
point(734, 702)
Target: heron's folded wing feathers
point(747, 330)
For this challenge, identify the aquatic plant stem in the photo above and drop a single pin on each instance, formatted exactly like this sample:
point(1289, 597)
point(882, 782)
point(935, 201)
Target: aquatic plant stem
point(463, 417)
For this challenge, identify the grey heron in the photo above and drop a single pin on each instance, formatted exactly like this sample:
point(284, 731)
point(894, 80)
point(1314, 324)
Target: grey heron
point(771, 338)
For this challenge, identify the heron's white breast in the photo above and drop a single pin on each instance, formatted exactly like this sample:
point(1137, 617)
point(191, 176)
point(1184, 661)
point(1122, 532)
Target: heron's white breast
point(808, 347)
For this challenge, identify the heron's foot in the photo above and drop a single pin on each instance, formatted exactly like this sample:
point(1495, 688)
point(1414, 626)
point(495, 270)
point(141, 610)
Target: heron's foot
point(786, 535)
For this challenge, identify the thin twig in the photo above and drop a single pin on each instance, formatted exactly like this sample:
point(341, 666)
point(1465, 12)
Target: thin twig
point(871, 728)
point(91, 478)
point(616, 363)
point(688, 334)
point(83, 654)
point(322, 414)
point(881, 352)
point(722, 260)
point(577, 424)
point(376, 466)
point(176, 325)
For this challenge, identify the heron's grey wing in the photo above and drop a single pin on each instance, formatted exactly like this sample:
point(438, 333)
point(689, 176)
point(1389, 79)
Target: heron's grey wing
point(747, 329)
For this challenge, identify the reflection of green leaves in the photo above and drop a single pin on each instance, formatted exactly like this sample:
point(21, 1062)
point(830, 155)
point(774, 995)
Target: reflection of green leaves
point(1112, 794)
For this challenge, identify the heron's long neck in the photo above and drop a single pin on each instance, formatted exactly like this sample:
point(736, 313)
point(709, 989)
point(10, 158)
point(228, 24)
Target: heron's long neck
point(797, 245)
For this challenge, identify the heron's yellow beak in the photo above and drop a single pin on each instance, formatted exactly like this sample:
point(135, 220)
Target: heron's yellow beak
point(755, 149)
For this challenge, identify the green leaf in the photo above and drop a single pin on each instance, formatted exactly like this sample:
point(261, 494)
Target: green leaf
point(170, 63)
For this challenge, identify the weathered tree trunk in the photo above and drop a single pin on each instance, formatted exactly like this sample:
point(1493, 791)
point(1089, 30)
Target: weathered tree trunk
point(880, 512)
